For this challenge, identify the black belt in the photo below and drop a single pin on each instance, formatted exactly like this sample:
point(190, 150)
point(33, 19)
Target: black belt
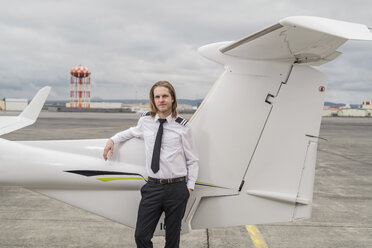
point(166, 181)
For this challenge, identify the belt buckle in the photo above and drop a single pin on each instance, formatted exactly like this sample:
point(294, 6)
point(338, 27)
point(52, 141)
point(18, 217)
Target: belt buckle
point(165, 181)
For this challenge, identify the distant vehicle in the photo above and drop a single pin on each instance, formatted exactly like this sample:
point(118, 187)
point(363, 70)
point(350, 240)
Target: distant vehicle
point(257, 162)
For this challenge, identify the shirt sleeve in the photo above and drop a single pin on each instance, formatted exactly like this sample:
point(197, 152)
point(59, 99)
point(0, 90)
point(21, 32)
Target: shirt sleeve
point(133, 132)
point(191, 157)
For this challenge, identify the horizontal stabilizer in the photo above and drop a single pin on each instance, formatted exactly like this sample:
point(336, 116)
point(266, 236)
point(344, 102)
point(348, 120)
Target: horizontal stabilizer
point(117, 205)
point(300, 39)
point(28, 116)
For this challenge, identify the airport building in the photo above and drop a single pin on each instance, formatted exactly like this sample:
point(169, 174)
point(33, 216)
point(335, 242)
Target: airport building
point(136, 107)
point(367, 105)
point(347, 111)
point(13, 104)
point(331, 110)
point(186, 108)
point(102, 105)
point(352, 112)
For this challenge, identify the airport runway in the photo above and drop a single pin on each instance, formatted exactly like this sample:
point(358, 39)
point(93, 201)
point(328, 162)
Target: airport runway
point(342, 206)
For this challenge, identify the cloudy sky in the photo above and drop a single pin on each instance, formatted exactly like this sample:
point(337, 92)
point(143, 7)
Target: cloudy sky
point(129, 44)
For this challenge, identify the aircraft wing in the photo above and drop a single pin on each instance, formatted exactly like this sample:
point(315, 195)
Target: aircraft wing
point(28, 116)
point(300, 39)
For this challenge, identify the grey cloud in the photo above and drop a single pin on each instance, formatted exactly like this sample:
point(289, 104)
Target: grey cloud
point(130, 44)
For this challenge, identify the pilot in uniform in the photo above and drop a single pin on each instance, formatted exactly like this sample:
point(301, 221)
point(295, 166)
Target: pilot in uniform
point(172, 178)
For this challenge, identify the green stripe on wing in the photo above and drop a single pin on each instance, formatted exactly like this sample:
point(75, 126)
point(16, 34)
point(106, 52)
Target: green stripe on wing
point(108, 179)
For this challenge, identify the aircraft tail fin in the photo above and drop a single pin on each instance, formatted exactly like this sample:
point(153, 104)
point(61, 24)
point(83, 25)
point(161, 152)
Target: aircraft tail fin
point(28, 116)
point(259, 125)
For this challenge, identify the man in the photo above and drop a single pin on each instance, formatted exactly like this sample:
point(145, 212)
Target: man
point(171, 163)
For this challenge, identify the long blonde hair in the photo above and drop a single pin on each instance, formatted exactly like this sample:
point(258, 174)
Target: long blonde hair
point(172, 92)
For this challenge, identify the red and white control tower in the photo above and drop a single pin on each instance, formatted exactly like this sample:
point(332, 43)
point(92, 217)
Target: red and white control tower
point(80, 87)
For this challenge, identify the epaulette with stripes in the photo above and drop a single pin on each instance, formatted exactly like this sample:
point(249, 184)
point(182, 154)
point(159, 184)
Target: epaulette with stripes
point(182, 121)
point(145, 114)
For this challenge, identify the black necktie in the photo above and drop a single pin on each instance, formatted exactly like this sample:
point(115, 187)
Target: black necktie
point(156, 153)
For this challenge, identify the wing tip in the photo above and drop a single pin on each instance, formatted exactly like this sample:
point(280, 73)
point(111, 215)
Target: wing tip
point(342, 29)
point(33, 109)
point(28, 115)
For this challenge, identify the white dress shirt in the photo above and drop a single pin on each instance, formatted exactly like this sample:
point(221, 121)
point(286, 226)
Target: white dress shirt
point(178, 155)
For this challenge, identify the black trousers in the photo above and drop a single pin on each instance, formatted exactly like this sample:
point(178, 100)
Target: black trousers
point(156, 198)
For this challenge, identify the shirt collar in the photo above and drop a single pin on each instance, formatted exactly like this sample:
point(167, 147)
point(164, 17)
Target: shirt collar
point(169, 118)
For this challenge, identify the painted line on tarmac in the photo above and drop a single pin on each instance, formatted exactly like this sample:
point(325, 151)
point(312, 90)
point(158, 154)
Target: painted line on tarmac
point(256, 236)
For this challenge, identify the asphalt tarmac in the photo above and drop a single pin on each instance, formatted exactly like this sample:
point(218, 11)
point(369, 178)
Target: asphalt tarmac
point(342, 205)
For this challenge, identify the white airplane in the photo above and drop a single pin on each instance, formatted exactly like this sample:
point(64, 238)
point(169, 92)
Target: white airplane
point(256, 165)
